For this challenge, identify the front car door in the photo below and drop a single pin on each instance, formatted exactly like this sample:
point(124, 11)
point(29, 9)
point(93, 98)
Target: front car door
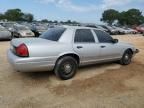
point(85, 46)
point(108, 49)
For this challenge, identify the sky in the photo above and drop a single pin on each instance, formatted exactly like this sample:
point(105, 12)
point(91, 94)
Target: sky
point(85, 11)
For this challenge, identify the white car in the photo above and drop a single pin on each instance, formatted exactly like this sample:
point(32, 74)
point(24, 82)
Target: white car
point(20, 31)
point(4, 33)
point(64, 49)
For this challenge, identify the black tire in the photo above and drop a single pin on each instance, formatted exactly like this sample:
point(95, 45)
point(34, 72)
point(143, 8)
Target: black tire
point(66, 68)
point(126, 59)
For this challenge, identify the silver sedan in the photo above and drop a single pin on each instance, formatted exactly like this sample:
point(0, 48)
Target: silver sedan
point(4, 33)
point(64, 49)
point(21, 31)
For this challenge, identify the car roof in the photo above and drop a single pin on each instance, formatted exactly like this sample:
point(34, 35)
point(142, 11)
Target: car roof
point(18, 25)
point(79, 27)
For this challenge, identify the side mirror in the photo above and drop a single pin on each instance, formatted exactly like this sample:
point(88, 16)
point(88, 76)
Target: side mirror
point(115, 41)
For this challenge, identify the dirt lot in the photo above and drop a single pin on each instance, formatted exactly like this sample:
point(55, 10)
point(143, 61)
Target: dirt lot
point(100, 86)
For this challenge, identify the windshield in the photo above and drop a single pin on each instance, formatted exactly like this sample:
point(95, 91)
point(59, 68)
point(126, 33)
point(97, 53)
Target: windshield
point(53, 34)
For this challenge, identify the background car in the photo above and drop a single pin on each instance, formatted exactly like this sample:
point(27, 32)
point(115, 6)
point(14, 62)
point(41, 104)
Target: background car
point(20, 31)
point(110, 29)
point(63, 49)
point(4, 33)
point(130, 30)
point(140, 28)
point(120, 30)
point(39, 29)
point(8, 25)
point(98, 27)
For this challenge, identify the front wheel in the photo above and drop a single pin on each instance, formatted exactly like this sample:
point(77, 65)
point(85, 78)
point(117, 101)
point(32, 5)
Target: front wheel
point(66, 68)
point(126, 59)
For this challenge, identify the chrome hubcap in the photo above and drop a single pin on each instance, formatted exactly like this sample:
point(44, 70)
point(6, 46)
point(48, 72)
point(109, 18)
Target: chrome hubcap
point(127, 57)
point(67, 68)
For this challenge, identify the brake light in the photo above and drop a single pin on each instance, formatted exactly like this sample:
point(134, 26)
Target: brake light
point(22, 50)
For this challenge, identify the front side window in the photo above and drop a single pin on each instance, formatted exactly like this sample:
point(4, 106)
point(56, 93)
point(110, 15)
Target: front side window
point(103, 37)
point(84, 36)
point(53, 34)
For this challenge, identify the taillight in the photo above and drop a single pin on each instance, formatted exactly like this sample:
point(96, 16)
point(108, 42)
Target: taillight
point(22, 50)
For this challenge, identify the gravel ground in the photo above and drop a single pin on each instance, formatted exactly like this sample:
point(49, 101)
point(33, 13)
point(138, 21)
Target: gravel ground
point(107, 85)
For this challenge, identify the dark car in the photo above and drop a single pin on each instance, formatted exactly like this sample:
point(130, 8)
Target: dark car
point(110, 29)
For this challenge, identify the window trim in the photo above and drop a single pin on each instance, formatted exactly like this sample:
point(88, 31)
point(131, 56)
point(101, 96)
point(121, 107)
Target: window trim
point(83, 42)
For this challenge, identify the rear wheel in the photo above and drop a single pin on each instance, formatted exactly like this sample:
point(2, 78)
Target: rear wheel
point(66, 68)
point(126, 59)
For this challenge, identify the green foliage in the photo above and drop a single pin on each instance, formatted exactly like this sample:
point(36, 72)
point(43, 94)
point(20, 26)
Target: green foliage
point(109, 16)
point(27, 17)
point(45, 21)
point(13, 15)
point(2, 16)
point(16, 15)
point(130, 17)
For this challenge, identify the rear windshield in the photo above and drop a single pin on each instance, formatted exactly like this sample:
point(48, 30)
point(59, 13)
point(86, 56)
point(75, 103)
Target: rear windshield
point(53, 34)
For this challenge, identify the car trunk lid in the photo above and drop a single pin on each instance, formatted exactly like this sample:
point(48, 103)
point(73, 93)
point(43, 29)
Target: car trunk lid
point(28, 42)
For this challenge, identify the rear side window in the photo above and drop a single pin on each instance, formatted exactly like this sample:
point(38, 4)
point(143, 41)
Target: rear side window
point(103, 37)
point(53, 34)
point(84, 36)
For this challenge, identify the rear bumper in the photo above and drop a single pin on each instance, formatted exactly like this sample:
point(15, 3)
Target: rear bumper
point(35, 64)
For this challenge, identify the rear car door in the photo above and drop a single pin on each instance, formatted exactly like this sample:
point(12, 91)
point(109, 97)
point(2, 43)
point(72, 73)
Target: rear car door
point(108, 49)
point(85, 46)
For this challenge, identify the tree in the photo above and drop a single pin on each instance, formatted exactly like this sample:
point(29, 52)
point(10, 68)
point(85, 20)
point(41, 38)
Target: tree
point(44, 21)
point(14, 15)
point(55, 21)
point(17, 15)
point(109, 16)
point(122, 19)
point(68, 21)
point(131, 17)
point(2, 16)
point(27, 17)
point(134, 17)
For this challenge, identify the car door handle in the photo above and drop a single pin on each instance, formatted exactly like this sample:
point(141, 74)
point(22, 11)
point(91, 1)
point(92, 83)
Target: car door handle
point(79, 47)
point(102, 46)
